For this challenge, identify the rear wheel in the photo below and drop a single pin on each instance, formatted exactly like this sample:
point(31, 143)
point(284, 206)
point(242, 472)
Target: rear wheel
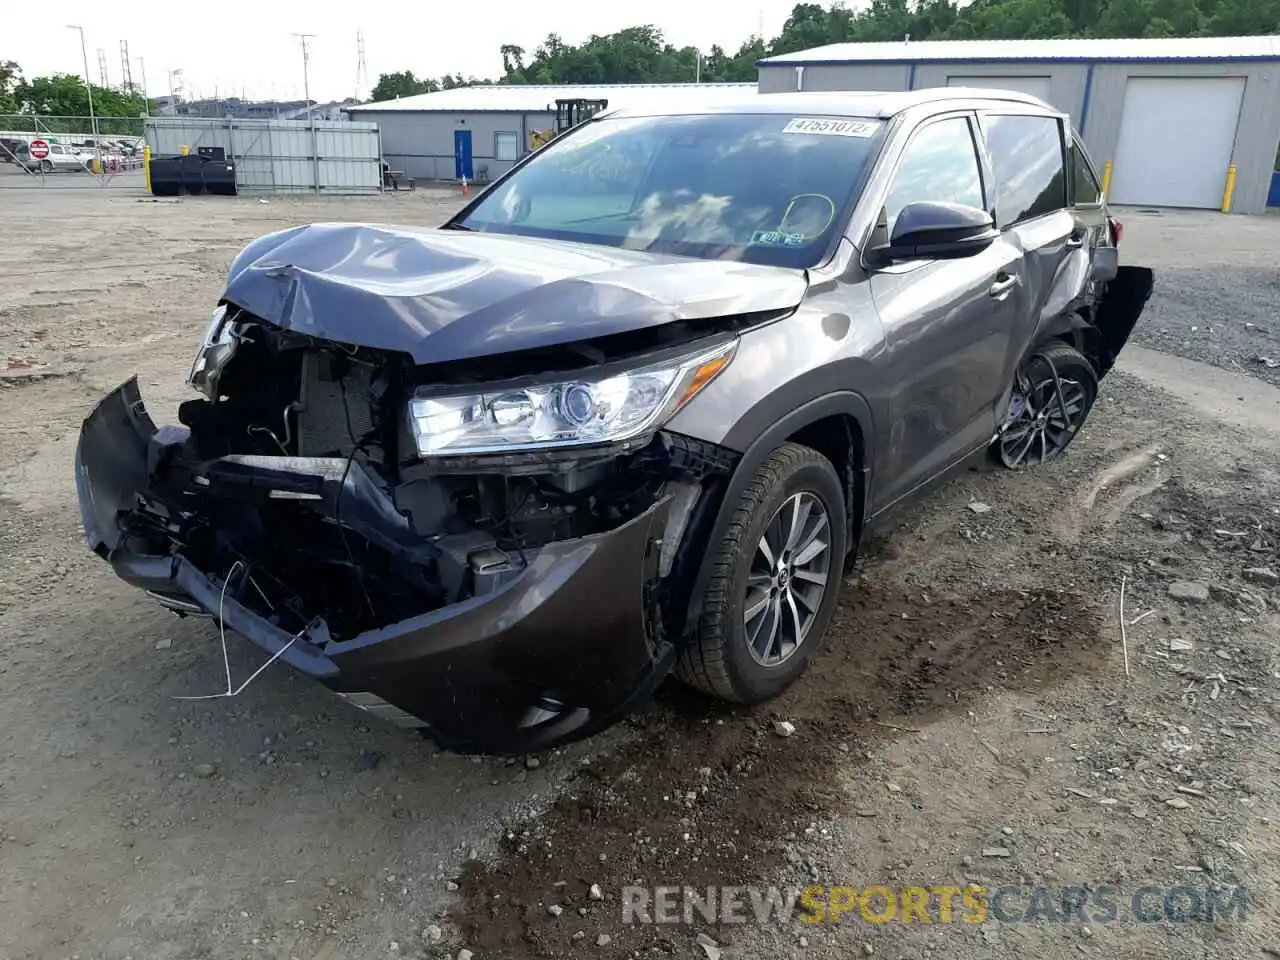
point(46, 166)
point(774, 583)
point(1053, 392)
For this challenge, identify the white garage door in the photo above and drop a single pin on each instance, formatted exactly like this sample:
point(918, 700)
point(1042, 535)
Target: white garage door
point(1176, 137)
point(1036, 86)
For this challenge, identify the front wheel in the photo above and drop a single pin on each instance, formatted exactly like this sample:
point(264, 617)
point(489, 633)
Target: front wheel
point(774, 583)
point(1053, 392)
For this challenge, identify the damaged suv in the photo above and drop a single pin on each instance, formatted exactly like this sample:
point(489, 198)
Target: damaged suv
point(628, 412)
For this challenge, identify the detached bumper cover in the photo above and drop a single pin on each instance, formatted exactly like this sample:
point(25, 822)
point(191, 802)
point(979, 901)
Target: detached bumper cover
point(560, 651)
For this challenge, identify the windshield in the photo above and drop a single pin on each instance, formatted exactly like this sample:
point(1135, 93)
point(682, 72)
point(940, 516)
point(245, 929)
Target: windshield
point(761, 188)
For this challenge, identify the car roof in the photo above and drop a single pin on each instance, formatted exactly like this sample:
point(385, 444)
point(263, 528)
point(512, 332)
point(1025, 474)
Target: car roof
point(846, 103)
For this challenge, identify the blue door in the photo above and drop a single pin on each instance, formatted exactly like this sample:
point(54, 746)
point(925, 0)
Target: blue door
point(462, 155)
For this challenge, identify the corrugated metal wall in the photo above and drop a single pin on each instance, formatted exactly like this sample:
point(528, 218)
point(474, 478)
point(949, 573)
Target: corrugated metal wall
point(1069, 83)
point(421, 144)
point(281, 156)
point(1256, 135)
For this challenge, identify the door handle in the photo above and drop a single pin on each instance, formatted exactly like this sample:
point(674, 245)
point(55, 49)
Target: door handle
point(1004, 283)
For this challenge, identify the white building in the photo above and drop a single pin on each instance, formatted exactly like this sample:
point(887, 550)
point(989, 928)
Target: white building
point(1167, 120)
point(480, 132)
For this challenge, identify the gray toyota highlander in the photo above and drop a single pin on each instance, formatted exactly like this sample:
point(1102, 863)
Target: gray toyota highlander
point(629, 412)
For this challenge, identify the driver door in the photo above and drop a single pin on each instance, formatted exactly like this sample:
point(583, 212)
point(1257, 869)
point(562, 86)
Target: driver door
point(948, 323)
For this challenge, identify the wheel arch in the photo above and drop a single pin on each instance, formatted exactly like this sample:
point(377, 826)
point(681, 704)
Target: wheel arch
point(837, 425)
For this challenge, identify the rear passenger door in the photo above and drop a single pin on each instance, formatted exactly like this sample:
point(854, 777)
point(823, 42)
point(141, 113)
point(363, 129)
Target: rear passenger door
point(1027, 155)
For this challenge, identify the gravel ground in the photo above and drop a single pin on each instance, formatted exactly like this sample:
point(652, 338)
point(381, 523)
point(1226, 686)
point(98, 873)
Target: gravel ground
point(1218, 287)
point(973, 697)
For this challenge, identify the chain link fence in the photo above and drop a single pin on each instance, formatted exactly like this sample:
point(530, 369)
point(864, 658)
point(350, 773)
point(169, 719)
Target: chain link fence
point(79, 151)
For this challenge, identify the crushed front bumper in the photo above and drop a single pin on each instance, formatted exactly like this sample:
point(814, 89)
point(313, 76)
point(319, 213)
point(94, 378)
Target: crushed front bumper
point(561, 650)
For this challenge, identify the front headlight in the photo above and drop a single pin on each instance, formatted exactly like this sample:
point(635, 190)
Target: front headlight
point(218, 346)
point(582, 411)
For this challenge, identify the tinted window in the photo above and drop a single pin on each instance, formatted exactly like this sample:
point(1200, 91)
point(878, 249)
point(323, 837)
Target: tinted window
point(1084, 185)
point(941, 164)
point(763, 188)
point(1027, 155)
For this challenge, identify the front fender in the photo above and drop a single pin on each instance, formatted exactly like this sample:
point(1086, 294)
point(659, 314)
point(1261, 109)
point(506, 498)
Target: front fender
point(784, 425)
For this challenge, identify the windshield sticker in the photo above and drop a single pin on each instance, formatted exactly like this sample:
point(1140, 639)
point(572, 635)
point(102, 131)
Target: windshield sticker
point(778, 238)
point(828, 127)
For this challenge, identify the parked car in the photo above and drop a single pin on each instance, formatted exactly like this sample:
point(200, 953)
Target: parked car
point(61, 157)
point(629, 412)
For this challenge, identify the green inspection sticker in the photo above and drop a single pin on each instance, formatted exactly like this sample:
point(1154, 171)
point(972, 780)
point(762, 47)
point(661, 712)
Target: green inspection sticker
point(778, 238)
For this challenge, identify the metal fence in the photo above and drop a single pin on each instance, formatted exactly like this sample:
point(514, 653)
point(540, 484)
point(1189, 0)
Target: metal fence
point(81, 151)
point(281, 156)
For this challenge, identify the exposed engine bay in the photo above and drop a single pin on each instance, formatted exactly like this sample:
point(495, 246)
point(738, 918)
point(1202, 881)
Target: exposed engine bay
point(298, 465)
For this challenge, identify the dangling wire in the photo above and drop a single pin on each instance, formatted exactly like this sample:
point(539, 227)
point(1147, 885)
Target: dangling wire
point(226, 659)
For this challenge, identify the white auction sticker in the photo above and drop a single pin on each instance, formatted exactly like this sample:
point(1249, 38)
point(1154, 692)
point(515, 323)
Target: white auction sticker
point(831, 128)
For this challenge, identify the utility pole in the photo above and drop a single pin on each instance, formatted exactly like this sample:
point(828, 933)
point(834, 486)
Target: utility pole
point(104, 78)
point(142, 72)
point(306, 99)
point(88, 88)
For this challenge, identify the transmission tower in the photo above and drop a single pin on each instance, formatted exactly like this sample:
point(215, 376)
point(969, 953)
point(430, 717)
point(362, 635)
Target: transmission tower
point(102, 69)
point(175, 85)
point(126, 74)
point(362, 71)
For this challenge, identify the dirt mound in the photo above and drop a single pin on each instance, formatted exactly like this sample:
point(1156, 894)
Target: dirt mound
point(709, 794)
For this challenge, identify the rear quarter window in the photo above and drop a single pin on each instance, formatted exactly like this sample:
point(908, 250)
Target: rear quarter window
point(1085, 189)
point(1027, 157)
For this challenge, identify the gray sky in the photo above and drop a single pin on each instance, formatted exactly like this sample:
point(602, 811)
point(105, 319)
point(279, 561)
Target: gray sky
point(238, 45)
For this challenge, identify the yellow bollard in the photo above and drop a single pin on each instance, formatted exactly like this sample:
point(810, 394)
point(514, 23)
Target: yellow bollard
point(146, 165)
point(1106, 178)
point(1230, 190)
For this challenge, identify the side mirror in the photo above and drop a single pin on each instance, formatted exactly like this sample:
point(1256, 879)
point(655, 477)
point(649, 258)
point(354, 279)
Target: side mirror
point(937, 230)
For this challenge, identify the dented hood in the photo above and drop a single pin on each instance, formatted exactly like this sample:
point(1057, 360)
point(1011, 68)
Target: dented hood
point(442, 295)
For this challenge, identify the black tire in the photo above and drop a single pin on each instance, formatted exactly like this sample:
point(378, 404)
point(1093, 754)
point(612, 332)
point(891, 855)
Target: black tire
point(718, 659)
point(1035, 412)
point(46, 166)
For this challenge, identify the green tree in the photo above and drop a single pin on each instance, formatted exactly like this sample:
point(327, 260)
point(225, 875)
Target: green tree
point(391, 86)
point(62, 102)
point(10, 80)
point(640, 54)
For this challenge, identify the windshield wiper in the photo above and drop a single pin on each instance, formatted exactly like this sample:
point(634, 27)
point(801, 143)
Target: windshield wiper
point(458, 226)
point(625, 215)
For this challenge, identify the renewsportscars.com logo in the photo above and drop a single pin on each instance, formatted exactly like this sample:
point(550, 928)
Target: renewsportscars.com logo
point(936, 903)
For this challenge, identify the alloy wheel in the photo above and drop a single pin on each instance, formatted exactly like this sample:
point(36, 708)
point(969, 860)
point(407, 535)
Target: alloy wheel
point(788, 579)
point(1042, 418)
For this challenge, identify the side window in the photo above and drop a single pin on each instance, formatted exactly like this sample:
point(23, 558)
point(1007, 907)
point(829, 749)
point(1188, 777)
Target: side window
point(1026, 152)
point(1085, 189)
point(940, 164)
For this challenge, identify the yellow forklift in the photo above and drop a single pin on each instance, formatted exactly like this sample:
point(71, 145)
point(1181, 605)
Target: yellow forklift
point(569, 113)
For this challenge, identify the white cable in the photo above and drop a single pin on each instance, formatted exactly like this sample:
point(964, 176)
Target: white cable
point(226, 660)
